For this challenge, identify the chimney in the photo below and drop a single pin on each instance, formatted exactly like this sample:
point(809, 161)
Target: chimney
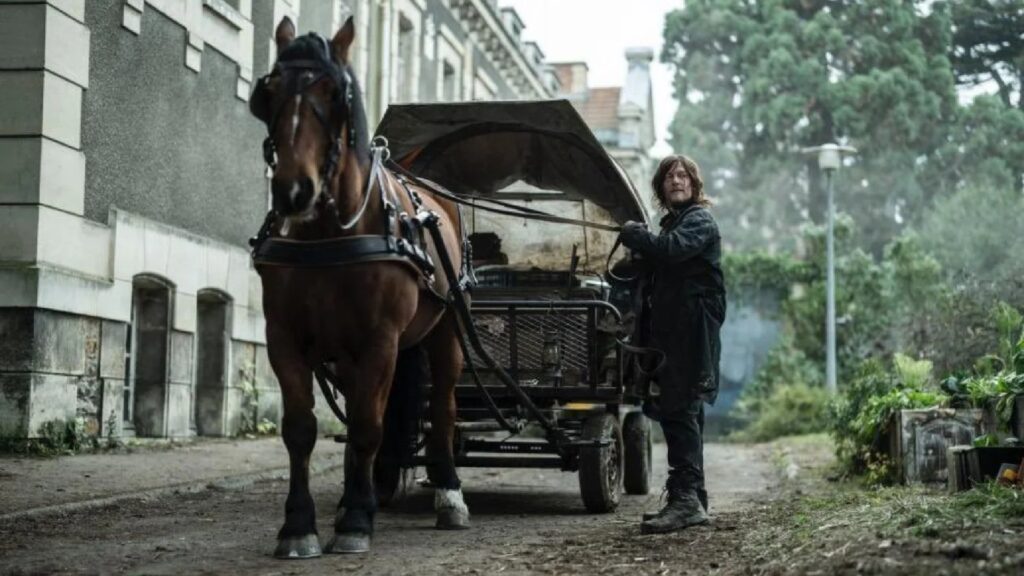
point(639, 58)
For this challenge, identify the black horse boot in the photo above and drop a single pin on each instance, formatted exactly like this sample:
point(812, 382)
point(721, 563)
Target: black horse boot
point(682, 511)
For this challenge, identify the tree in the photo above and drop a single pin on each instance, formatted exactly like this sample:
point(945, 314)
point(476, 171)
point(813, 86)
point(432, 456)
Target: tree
point(758, 81)
point(988, 46)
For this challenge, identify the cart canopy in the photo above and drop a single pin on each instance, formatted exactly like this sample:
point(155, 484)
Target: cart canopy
point(483, 147)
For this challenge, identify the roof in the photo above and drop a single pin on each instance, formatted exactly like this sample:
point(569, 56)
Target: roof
point(482, 147)
point(600, 108)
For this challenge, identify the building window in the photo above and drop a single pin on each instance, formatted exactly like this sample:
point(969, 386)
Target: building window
point(146, 387)
point(406, 60)
point(449, 82)
point(213, 344)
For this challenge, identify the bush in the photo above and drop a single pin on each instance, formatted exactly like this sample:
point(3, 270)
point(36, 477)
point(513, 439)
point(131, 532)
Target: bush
point(790, 409)
point(861, 416)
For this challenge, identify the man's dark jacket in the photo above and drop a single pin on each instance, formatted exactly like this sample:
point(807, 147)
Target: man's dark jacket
point(687, 302)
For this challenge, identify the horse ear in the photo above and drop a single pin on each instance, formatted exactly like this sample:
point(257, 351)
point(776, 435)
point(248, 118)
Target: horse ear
point(342, 41)
point(284, 34)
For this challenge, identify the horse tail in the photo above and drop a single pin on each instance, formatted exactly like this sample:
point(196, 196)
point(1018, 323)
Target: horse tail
point(405, 405)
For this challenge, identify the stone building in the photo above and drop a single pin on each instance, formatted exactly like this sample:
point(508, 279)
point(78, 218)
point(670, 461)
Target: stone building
point(131, 177)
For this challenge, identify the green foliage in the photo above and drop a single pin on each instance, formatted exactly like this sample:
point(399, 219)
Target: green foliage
point(760, 80)
point(55, 438)
point(790, 409)
point(861, 416)
point(754, 272)
point(784, 365)
point(978, 233)
point(915, 374)
point(980, 56)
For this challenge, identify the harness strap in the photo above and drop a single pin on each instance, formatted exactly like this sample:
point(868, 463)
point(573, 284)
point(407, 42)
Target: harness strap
point(342, 251)
point(506, 208)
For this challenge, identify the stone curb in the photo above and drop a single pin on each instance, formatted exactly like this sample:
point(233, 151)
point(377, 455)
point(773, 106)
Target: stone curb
point(229, 482)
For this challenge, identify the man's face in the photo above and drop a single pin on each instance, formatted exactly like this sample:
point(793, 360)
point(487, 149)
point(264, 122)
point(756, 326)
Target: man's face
point(677, 187)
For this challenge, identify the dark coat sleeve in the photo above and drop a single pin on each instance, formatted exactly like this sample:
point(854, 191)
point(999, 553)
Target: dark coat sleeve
point(683, 242)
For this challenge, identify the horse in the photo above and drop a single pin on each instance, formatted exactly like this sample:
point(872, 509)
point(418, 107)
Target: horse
point(364, 317)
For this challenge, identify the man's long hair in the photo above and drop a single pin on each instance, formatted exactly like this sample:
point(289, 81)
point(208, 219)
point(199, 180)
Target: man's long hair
point(696, 181)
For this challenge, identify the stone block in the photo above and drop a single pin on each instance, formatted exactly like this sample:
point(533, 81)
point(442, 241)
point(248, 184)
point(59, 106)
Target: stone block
point(238, 277)
point(265, 377)
point(179, 410)
point(74, 243)
point(156, 251)
point(66, 344)
point(270, 407)
point(180, 369)
point(113, 339)
point(243, 365)
point(217, 268)
point(35, 170)
point(233, 411)
point(184, 311)
point(185, 268)
point(21, 92)
point(73, 8)
point(78, 294)
point(53, 398)
point(17, 337)
point(19, 287)
point(21, 228)
point(112, 408)
point(38, 36)
point(33, 340)
point(90, 405)
point(15, 392)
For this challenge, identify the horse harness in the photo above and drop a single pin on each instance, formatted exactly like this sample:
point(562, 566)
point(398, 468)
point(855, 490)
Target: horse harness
point(408, 246)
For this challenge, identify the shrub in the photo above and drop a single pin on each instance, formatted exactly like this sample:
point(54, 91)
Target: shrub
point(790, 409)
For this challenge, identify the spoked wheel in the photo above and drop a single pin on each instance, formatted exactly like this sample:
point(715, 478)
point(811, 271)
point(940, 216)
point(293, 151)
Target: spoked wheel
point(636, 440)
point(601, 467)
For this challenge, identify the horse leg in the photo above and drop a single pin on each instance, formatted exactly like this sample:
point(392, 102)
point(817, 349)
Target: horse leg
point(366, 400)
point(297, 537)
point(445, 367)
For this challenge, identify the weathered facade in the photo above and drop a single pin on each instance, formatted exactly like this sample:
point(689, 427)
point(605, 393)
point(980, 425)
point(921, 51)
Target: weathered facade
point(131, 177)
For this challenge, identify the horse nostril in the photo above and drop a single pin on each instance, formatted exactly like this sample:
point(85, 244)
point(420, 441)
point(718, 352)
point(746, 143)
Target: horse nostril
point(302, 193)
point(281, 195)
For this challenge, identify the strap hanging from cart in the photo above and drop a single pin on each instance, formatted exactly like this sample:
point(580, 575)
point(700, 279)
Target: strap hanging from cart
point(501, 207)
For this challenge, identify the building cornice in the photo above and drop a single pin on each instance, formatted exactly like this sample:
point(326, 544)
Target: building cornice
point(484, 24)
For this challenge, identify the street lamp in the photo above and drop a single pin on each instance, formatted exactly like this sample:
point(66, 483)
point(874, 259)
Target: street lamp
point(830, 158)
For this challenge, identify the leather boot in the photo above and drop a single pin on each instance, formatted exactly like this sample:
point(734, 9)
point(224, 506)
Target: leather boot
point(682, 511)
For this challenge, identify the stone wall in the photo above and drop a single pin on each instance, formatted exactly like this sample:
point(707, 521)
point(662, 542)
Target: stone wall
point(56, 366)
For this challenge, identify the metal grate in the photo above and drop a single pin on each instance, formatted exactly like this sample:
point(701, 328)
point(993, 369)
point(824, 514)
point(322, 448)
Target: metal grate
point(520, 336)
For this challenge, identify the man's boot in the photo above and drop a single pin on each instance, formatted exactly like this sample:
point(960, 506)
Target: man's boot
point(682, 511)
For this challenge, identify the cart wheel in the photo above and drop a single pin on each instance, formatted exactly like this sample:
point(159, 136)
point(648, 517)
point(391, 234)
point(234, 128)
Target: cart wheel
point(601, 467)
point(636, 441)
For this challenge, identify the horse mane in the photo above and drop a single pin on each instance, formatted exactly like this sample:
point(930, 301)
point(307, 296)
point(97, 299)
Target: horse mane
point(311, 47)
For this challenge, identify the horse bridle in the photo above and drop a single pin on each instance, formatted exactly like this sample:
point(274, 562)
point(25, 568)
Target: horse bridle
point(298, 76)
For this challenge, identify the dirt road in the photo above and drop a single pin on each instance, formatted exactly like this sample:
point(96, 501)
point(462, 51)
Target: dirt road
point(525, 521)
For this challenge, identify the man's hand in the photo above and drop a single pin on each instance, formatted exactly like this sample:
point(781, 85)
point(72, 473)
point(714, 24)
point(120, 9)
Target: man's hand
point(631, 233)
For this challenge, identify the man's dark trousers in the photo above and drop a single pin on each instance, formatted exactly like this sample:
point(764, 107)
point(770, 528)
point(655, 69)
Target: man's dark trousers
point(684, 430)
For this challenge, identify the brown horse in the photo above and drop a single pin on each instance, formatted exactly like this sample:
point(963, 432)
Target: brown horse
point(360, 316)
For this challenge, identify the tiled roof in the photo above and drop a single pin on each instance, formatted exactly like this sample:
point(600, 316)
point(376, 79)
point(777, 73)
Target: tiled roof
point(600, 108)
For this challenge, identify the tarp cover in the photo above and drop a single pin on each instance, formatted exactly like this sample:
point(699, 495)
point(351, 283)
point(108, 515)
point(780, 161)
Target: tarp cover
point(482, 147)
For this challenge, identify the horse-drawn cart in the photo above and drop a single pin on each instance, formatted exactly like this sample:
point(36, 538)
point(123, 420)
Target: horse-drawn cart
point(546, 383)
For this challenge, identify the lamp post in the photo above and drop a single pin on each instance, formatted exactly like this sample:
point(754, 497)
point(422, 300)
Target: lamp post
point(829, 160)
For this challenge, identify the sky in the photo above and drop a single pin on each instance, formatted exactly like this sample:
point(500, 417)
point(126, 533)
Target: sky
point(598, 32)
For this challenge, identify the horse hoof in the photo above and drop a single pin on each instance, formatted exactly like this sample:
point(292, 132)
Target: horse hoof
point(298, 547)
point(452, 519)
point(349, 544)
